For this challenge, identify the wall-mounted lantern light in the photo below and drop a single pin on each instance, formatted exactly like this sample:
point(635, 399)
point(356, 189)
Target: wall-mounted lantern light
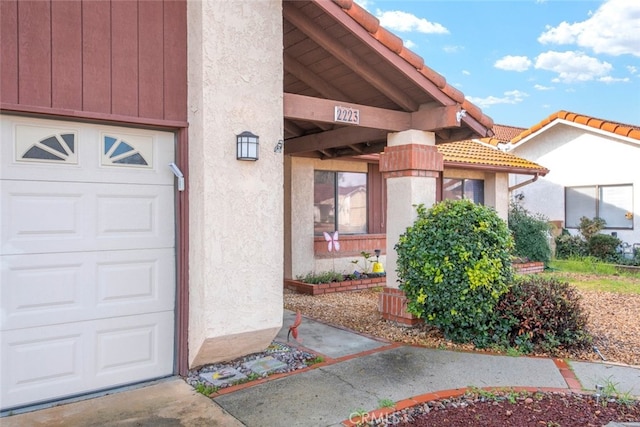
point(247, 146)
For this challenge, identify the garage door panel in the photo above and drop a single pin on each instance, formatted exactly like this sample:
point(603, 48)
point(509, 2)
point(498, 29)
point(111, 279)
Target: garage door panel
point(45, 363)
point(38, 364)
point(42, 217)
point(32, 216)
point(40, 290)
point(134, 216)
point(84, 153)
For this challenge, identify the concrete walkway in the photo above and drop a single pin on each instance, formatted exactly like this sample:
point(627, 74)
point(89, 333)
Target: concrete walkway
point(357, 374)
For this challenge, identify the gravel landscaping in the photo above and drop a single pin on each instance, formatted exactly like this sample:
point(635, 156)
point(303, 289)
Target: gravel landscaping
point(614, 321)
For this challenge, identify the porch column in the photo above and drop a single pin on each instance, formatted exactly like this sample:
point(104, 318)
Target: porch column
point(410, 163)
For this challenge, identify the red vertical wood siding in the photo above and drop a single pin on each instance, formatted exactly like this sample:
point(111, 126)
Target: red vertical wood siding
point(66, 54)
point(9, 51)
point(96, 57)
point(377, 196)
point(175, 60)
point(124, 58)
point(34, 53)
point(151, 46)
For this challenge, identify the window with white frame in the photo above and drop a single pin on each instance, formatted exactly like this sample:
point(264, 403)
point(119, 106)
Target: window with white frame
point(340, 202)
point(613, 203)
point(456, 189)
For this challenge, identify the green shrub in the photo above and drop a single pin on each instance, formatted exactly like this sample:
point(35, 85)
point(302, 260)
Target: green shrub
point(530, 233)
point(590, 227)
point(568, 246)
point(603, 247)
point(541, 312)
point(454, 263)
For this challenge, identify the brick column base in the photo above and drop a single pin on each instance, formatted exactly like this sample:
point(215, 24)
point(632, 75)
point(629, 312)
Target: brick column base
point(393, 306)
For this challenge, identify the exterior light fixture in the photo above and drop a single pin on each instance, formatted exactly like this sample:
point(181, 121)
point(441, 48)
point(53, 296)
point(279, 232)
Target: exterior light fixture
point(247, 145)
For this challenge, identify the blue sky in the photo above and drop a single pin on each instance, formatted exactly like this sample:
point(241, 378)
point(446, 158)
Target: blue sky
point(522, 60)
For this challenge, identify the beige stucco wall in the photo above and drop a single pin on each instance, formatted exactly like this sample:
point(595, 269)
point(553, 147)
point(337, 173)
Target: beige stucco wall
point(235, 207)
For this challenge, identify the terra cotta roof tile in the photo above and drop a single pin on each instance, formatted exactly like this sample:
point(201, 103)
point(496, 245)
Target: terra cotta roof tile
point(472, 153)
point(621, 129)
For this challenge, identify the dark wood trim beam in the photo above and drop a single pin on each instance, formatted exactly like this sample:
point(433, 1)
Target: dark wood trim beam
point(332, 139)
point(373, 148)
point(292, 128)
point(435, 118)
point(307, 108)
point(301, 72)
point(89, 116)
point(345, 55)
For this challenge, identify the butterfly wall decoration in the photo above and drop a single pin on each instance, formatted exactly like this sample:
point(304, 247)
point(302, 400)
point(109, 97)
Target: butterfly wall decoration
point(332, 239)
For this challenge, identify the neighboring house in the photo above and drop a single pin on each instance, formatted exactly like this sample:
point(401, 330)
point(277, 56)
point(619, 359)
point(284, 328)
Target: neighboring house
point(594, 166)
point(136, 242)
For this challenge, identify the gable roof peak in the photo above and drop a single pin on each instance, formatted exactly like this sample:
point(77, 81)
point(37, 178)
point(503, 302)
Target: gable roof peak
point(617, 128)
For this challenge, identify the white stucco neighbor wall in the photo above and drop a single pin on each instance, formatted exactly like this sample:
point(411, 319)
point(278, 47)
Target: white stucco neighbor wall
point(235, 207)
point(578, 155)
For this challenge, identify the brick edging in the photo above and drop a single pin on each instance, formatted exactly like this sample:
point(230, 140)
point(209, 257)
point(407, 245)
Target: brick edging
point(528, 267)
point(327, 288)
point(378, 414)
point(573, 386)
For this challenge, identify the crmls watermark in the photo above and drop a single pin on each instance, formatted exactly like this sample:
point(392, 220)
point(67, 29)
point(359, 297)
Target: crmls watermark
point(372, 419)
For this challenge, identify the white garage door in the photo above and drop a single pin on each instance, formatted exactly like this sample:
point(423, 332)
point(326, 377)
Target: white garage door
point(87, 254)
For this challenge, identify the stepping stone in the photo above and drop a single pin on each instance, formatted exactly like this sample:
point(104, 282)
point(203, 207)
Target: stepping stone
point(223, 376)
point(264, 365)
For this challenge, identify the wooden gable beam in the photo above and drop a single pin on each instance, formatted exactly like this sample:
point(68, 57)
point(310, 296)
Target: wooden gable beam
point(434, 118)
point(332, 139)
point(292, 128)
point(301, 107)
point(347, 57)
point(303, 73)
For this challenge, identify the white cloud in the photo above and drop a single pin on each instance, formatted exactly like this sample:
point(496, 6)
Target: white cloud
point(513, 63)
point(510, 97)
point(452, 48)
point(409, 44)
point(406, 22)
point(365, 4)
point(466, 72)
point(632, 69)
point(609, 79)
point(572, 67)
point(543, 88)
point(613, 29)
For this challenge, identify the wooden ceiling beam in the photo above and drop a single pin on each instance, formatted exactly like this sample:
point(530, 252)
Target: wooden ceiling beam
point(331, 139)
point(347, 56)
point(435, 118)
point(307, 108)
point(301, 72)
point(292, 128)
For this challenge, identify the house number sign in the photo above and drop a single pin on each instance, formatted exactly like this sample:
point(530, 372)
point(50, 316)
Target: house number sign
point(346, 115)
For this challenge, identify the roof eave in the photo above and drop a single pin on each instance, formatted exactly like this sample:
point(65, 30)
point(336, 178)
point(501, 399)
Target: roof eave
point(496, 168)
